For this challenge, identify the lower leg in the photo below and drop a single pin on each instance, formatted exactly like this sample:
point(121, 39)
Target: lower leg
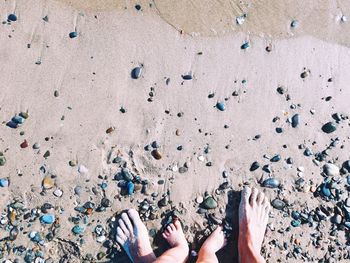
point(216, 241)
point(178, 253)
point(253, 217)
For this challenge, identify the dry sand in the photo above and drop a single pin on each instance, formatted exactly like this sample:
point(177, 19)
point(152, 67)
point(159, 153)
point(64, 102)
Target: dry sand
point(91, 76)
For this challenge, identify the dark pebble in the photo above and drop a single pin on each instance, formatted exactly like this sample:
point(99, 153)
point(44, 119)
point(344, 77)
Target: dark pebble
point(12, 17)
point(276, 158)
point(295, 120)
point(278, 204)
point(271, 183)
point(254, 166)
point(136, 72)
point(329, 127)
point(73, 34)
point(187, 77)
point(220, 106)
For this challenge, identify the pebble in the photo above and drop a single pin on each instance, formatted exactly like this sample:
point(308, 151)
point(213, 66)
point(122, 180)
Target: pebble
point(12, 17)
point(73, 34)
point(330, 169)
point(24, 144)
point(254, 166)
point(220, 106)
point(305, 74)
point(156, 154)
point(110, 130)
point(294, 23)
point(295, 120)
point(240, 19)
point(58, 192)
point(2, 160)
point(245, 45)
point(271, 183)
point(77, 230)
point(209, 203)
point(329, 127)
point(136, 72)
point(4, 182)
point(47, 219)
point(130, 187)
point(78, 190)
point(325, 190)
point(276, 158)
point(199, 199)
point(187, 77)
point(18, 119)
point(36, 146)
point(278, 204)
point(48, 183)
point(183, 169)
point(82, 169)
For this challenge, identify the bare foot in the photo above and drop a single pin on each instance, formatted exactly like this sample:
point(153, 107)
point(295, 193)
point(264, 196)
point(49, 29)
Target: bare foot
point(253, 217)
point(215, 241)
point(174, 235)
point(132, 235)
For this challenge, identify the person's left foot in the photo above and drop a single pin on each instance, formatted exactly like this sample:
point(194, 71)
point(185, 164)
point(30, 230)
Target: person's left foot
point(175, 236)
point(215, 241)
point(132, 235)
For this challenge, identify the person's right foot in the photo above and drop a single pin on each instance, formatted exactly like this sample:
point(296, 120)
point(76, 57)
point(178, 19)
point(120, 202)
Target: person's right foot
point(253, 217)
point(132, 235)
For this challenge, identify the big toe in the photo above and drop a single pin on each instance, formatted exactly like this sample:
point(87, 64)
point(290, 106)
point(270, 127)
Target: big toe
point(245, 194)
point(177, 225)
point(134, 216)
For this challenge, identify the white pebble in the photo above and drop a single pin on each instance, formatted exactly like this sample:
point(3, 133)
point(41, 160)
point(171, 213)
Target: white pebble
point(301, 169)
point(201, 158)
point(199, 199)
point(82, 169)
point(58, 192)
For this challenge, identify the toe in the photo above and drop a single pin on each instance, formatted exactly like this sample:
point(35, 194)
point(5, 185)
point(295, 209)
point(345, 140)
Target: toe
point(245, 194)
point(120, 236)
point(123, 227)
point(260, 198)
point(134, 217)
point(168, 229)
point(164, 235)
point(172, 227)
point(177, 224)
point(253, 196)
point(127, 222)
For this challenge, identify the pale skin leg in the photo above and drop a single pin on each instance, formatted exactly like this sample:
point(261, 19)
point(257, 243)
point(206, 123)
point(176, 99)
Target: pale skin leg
point(253, 217)
point(132, 235)
point(216, 241)
point(178, 253)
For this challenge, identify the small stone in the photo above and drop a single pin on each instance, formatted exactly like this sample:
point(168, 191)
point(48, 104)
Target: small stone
point(220, 106)
point(110, 129)
point(155, 145)
point(24, 115)
point(187, 77)
point(325, 190)
point(295, 223)
point(82, 169)
point(72, 163)
point(18, 119)
point(330, 169)
point(245, 45)
point(240, 19)
point(271, 183)
point(24, 144)
point(130, 187)
point(336, 219)
point(156, 154)
point(77, 230)
point(279, 130)
point(199, 199)
point(73, 34)
point(58, 192)
point(305, 74)
point(136, 73)
point(4, 182)
point(36, 146)
point(278, 204)
point(78, 190)
point(56, 93)
point(294, 23)
point(281, 90)
point(295, 120)
point(209, 203)
point(47, 219)
point(12, 17)
point(329, 127)
point(276, 158)
point(48, 183)
point(46, 154)
point(2, 160)
point(183, 169)
point(254, 166)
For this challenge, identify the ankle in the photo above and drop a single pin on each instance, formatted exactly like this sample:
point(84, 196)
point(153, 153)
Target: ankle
point(248, 253)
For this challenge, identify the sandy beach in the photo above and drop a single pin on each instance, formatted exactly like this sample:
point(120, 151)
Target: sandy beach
point(163, 105)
